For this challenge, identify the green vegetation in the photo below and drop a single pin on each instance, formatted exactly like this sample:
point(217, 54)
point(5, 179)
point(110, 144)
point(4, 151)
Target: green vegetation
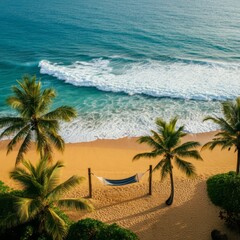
point(224, 191)
point(4, 188)
point(85, 229)
point(115, 232)
point(39, 201)
point(166, 143)
point(34, 122)
point(229, 136)
point(91, 229)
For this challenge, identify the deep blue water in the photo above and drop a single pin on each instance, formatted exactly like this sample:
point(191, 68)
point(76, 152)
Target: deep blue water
point(124, 63)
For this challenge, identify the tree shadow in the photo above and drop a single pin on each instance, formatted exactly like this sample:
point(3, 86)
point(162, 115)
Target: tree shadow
point(194, 219)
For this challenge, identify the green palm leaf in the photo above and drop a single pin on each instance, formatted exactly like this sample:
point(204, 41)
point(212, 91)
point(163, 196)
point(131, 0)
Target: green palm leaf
point(32, 104)
point(64, 113)
point(20, 135)
point(160, 164)
point(27, 208)
point(78, 204)
point(185, 167)
point(166, 169)
point(9, 121)
point(186, 146)
point(190, 154)
point(146, 155)
point(149, 140)
point(55, 225)
point(65, 187)
point(24, 147)
point(11, 130)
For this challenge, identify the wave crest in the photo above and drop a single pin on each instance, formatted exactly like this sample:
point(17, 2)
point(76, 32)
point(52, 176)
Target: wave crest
point(208, 81)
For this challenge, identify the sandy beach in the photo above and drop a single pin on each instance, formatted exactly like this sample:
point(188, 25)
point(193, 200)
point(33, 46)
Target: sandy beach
point(192, 215)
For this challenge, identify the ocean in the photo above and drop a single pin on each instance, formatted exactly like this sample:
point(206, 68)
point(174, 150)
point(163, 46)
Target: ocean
point(122, 64)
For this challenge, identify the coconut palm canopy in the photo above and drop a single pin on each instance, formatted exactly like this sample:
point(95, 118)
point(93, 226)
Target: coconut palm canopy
point(166, 144)
point(229, 125)
point(41, 198)
point(34, 121)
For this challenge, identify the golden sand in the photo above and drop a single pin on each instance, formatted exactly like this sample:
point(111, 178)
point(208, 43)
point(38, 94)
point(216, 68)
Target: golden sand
point(192, 215)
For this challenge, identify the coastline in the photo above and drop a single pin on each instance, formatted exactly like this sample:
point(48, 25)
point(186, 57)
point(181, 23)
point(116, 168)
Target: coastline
point(130, 206)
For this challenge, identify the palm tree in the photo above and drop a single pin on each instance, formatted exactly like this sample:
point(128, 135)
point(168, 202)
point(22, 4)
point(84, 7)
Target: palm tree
point(40, 200)
point(166, 143)
point(229, 124)
point(34, 122)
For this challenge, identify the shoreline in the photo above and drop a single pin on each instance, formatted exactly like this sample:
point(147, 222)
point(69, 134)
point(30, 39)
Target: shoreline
point(130, 206)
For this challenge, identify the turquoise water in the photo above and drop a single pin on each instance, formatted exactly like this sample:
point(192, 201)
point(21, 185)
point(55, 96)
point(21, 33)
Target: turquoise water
point(124, 63)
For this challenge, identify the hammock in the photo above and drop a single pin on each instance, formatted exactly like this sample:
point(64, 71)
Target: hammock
point(120, 182)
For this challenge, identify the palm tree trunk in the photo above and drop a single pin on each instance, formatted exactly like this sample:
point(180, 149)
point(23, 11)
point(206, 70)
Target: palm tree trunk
point(238, 161)
point(169, 201)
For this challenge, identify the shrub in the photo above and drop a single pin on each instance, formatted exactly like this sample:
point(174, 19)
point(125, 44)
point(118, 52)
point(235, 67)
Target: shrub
point(224, 191)
point(85, 229)
point(91, 229)
point(115, 232)
point(231, 219)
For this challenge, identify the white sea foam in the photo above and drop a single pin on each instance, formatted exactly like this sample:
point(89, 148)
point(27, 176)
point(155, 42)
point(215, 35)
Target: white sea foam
point(210, 81)
point(137, 117)
point(125, 116)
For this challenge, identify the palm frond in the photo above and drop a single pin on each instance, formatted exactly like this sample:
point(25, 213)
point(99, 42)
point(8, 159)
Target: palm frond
point(64, 113)
point(15, 103)
point(78, 204)
point(159, 164)
point(222, 123)
point(221, 142)
point(43, 146)
point(11, 130)
point(65, 187)
point(172, 123)
point(166, 168)
point(52, 176)
point(48, 125)
point(173, 137)
point(18, 137)
point(55, 225)
point(29, 183)
point(29, 166)
point(160, 124)
point(8, 218)
point(147, 155)
point(225, 135)
point(158, 138)
point(9, 221)
point(24, 147)
point(186, 146)
point(190, 154)
point(27, 208)
point(46, 99)
point(185, 167)
point(150, 141)
point(56, 140)
point(9, 121)
point(231, 111)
